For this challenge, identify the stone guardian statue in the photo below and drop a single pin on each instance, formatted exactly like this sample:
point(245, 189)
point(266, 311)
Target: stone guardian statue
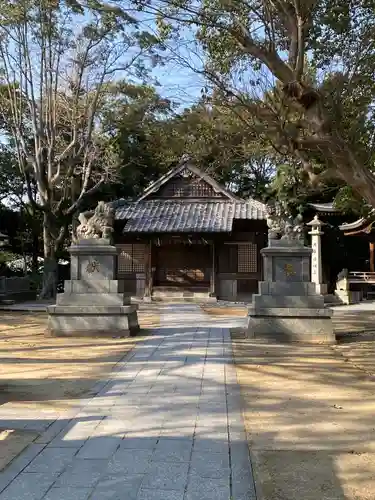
point(96, 224)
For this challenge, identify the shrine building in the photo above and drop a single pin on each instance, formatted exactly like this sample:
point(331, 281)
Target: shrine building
point(188, 237)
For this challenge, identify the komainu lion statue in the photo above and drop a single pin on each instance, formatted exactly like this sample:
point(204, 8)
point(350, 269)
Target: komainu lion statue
point(283, 226)
point(96, 224)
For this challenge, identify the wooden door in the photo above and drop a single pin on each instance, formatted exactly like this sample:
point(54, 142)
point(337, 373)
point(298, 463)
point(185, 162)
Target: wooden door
point(182, 265)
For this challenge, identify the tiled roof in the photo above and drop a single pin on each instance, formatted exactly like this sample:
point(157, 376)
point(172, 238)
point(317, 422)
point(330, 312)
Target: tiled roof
point(324, 207)
point(250, 209)
point(165, 216)
point(363, 222)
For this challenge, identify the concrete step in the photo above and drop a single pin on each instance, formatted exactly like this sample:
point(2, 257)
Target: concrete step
point(178, 294)
point(179, 289)
point(183, 295)
point(332, 300)
point(183, 300)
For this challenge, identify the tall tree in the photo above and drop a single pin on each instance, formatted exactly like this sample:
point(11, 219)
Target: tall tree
point(308, 63)
point(152, 134)
point(26, 233)
point(133, 120)
point(213, 134)
point(58, 60)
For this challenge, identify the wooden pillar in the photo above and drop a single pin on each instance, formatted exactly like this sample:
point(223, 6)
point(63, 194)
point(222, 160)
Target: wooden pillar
point(213, 271)
point(148, 272)
point(372, 256)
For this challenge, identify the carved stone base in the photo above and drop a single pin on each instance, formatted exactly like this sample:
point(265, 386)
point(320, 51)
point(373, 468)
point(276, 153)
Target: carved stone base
point(310, 330)
point(95, 321)
point(91, 304)
point(287, 308)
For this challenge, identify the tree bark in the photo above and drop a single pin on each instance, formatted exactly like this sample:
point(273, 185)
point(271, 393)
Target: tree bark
point(326, 140)
point(50, 267)
point(35, 255)
point(355, 174)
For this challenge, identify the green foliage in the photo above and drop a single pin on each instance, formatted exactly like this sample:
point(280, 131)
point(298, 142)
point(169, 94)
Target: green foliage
point(347, 201)
point(6, 256)
point(307, 68)
point(214, 135)
point(150, 137)
point(58, 63)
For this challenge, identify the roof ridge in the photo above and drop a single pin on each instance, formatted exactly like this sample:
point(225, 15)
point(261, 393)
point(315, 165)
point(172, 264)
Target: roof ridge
point(190, 200)
point(187, 162)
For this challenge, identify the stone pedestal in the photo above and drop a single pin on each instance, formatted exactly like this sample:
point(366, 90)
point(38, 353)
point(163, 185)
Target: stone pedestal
point(343, 292)
point(91, 304)
point(287, 307)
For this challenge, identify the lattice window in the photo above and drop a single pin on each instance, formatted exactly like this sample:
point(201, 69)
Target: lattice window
point(201, 189)
point(247, 258)
point(138, 258)
point(131, 259)
point(187, 188)
point(125, 262)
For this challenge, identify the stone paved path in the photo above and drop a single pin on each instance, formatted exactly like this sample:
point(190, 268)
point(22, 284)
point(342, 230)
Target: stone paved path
point(167, 426)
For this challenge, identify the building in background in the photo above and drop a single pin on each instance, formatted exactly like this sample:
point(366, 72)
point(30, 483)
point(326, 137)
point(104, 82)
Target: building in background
point(188, 237)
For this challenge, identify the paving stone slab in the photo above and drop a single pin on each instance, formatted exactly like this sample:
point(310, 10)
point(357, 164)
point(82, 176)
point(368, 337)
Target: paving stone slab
point(68, 494)
point(76, 433)
point(147, 494)
point(113, 425)
point(133, 443)
point(131, 462)
point(208, 489)
point(82, 473)
point(145, 433)
point(28, 486)
point(166, 476)
point(52, 460)
point(209, 465)
point(173, 450)
point(18, 464)
point(58, 426)
point(161, 428)
point(211, 445)
point(207, 433)
point(117, 488)
point(99, 447)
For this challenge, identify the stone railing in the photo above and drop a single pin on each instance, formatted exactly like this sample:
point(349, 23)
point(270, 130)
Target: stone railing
point(354, 286)
point(361, 277)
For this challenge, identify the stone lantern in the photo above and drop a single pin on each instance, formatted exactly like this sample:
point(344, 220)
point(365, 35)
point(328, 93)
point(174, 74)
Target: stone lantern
point(316, 259)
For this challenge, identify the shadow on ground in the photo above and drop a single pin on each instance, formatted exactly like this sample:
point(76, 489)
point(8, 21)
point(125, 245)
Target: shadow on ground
point(309, 410)
point(310, 421)
point(37, 368)
point(133, 422)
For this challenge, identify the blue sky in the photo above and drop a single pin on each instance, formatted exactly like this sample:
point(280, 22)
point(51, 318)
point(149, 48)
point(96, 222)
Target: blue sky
point(179, 84)
point(177, 81)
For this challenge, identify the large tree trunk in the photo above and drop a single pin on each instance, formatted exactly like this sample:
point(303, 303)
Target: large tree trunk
point(352, 171)
point(50, 267)
point(347, 166)
point(325, 139)
point(35, 255)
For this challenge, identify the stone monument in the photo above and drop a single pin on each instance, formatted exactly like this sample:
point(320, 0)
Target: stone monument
point(316, 260)
point(287, 307)
point(91, 304)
